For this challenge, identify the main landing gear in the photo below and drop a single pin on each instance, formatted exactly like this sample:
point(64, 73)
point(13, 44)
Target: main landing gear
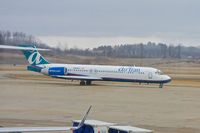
point(85, 82)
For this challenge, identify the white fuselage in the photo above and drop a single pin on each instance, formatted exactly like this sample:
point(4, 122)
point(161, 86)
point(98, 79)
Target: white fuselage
point(108, 73)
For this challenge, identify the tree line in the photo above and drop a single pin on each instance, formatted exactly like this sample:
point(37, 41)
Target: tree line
point(141, 50)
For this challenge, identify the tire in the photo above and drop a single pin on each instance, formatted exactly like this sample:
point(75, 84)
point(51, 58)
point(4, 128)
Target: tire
point(88, 82)
point(82, 82)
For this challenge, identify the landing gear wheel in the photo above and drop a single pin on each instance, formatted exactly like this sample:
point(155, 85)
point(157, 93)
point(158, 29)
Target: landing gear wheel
point(161, 85)
point(88, 82)
point(82, 82)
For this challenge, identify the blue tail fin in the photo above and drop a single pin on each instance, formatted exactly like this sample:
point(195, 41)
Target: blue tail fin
point(34, 57)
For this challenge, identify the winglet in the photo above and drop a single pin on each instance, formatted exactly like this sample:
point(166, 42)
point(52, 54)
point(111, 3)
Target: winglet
point(83, 120)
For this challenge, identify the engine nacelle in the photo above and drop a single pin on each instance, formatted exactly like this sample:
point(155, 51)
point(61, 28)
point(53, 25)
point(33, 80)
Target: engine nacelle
point(57, 71)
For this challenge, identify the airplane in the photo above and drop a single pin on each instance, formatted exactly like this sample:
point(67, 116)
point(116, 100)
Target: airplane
point(88, 73)
point(45, 129)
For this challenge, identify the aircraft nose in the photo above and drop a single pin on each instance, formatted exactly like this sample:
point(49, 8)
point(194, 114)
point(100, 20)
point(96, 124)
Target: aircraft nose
point(167, 78)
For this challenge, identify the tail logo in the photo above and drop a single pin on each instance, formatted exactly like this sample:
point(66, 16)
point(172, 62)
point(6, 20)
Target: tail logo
point(35, 60)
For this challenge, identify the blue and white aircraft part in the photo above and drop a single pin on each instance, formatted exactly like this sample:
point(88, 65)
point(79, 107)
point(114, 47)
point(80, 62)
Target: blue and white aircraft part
point(88, 73)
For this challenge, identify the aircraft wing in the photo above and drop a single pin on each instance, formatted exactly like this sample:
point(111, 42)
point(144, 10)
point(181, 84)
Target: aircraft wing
point(77, 77)
point(33, 129)
point(44, 129)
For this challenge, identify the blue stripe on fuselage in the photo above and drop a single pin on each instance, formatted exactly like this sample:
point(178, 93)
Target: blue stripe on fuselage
point(135, 80)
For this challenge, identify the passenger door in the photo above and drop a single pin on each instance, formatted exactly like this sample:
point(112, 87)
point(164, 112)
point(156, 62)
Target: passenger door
point(150, 75)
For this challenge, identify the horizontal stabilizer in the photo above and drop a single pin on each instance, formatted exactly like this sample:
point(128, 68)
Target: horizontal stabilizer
point(22, 48)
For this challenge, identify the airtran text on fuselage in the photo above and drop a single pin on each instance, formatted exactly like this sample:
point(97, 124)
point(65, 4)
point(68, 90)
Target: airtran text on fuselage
point(129, 70)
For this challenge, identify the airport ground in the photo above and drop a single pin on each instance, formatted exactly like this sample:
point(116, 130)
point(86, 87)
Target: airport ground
point(30, 99)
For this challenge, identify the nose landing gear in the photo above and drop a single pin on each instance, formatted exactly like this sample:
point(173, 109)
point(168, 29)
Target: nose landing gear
point(161, 85)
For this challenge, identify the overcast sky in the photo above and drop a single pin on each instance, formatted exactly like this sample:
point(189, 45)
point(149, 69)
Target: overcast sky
point(86, 22)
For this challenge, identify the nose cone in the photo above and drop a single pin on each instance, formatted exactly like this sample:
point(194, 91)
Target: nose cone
point(167, 78)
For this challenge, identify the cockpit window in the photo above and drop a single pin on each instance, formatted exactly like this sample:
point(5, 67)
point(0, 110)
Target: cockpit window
point(159, 72)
